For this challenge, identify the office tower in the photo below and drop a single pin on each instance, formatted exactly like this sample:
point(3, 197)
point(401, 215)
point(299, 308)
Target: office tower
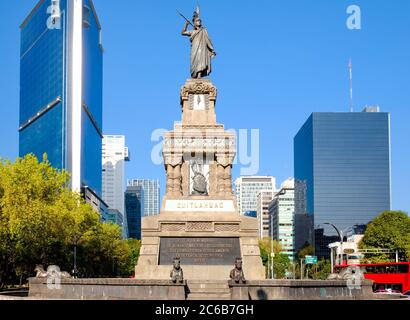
point(344, 158)
point(114, 155)
point(61, 89)
point(95, 202)
point(247, 189)
point(151, 195)
point(264, 198)
point(134, 209)
point(282, 212)
point(115, 216)
point(303, 221)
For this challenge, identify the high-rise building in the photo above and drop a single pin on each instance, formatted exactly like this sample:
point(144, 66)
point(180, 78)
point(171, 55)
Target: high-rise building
point(264, 198)
point(303, 221)
point(134, 208)
point(247, 189)
point(344, 158)
point(61, 89)
point(114, 155)
point(115, 216)
point(151, 195)
point(282, 212)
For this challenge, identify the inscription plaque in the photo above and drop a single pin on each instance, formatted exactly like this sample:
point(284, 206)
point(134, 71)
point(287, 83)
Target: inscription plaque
point(199, 250)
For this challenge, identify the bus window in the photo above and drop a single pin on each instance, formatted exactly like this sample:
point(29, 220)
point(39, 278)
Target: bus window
point(403, 268)
point(379, 286)
point(397, 287)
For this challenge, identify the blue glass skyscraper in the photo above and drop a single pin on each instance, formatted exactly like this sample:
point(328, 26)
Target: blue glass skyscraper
point(344, 159)
point(61, 89)
point(134, 208)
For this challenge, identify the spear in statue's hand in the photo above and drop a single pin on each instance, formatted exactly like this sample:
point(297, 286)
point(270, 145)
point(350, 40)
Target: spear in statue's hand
point(185, 18)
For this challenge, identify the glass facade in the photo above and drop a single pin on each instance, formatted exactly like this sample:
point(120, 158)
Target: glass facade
point(151, 195)
point(344, 158)
point(92, 100)
point(42, 81)
point(134, 208)
point(47, 86)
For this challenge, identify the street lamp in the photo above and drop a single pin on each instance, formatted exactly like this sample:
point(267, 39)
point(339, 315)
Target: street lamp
point(340, 233)
point(271, 247)
point(75, 257)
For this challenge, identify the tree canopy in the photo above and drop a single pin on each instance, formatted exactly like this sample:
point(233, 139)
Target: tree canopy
point(280, 261)
point(389, 230)
point(41, 221)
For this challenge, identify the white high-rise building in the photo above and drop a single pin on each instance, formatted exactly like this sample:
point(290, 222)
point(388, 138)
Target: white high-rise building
point(247, 189)
point(282, 213)
point(262, 212)
point(151, 194)
point(114, 154)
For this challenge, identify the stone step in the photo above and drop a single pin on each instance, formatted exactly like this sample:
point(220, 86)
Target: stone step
point(209, 290)
point(208, 281)
point(209, 296)
point(194, 286)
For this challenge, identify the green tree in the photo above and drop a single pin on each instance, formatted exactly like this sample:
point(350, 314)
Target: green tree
point(322, 270)
point(280, 261)
point(41, 221)
point(306, 250)
point(389, 230)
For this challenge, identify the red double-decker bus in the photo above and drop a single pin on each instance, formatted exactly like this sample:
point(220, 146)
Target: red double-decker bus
point(386, 275)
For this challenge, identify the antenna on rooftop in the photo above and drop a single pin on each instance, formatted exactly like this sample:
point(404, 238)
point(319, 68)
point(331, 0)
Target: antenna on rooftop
point(350, 85)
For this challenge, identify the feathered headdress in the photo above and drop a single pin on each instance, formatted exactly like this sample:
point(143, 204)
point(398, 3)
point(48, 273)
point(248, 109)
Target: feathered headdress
point(196, 13)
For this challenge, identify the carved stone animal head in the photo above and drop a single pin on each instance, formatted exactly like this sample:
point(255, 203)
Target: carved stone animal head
point(238, 264)
point(177, 263)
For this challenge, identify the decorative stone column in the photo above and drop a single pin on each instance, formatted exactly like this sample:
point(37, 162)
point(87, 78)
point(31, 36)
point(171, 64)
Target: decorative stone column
point(224, 174)
point(177, 181)
point(220, 174)
point(173, 164)
point(228, 180)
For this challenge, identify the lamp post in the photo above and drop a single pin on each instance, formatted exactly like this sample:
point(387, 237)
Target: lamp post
point(271, 247)
point(75, 257)
point(340, 233)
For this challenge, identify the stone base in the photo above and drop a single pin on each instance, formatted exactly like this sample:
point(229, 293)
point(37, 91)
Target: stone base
point(107, 289)
point(196, 225)
point(300, 290)
point(133, 289)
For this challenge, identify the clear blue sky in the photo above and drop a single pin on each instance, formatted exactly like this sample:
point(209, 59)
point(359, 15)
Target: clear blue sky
point(277, 62)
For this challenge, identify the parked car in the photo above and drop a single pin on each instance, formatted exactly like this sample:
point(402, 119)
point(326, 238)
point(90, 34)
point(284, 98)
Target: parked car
point(388, 291)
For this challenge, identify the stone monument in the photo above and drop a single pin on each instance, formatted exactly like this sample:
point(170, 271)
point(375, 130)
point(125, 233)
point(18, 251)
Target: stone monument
point(199, 221)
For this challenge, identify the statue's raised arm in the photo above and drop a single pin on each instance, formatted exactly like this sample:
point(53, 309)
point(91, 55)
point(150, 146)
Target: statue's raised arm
point(202, 50)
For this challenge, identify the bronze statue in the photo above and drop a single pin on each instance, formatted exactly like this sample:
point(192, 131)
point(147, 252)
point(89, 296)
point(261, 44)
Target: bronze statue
point(237, 274)
point(177, 275)
point(202, 49)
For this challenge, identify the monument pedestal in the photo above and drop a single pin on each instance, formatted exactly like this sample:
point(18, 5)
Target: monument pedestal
point(199, 221)
point(207, 242)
